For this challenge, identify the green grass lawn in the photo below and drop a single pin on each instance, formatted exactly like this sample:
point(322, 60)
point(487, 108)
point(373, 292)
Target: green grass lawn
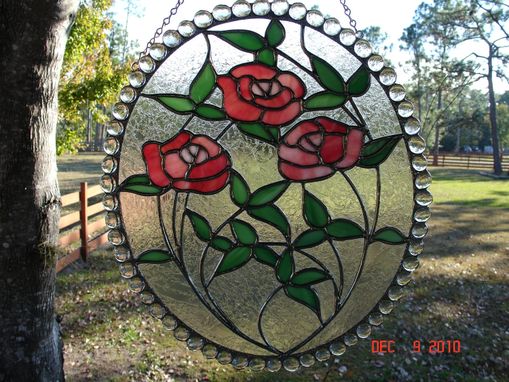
point(467, 188)
point(73, 169)
point(459, 292)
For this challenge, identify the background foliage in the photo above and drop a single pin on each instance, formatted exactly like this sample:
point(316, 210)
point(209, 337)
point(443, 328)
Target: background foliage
point(95, 67)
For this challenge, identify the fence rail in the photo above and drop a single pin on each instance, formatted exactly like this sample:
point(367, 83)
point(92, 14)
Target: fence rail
point(81, 217)
point(474, 161)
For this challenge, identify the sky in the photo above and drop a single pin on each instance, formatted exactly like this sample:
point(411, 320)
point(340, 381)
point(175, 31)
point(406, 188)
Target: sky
point(392, 16)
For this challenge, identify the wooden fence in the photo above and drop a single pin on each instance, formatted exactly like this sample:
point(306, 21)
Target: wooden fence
point(474, 161)
point(81, 217)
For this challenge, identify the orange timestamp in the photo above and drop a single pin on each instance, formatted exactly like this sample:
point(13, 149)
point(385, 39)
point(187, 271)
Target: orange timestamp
point(418, 346)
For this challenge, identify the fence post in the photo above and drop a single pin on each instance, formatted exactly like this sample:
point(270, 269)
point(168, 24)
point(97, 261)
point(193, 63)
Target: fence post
point(84, 220)
point(443, 160)
point(468, 161)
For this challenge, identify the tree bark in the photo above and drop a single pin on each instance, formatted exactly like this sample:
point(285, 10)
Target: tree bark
point(33, 34)
point(457, 147)
point(436, 150)
point(497, 162)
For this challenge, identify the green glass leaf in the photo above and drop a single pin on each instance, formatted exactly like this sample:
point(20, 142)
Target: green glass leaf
point(234, 259)
point(267, 57)
point(200, 225)
point(258, 131)
point(327, 75)
point(305, 296)
point(274, 132)
point(154, 256)
point(244, 232)
point(310, 238)
point(360, 82)
point(325, 100)
point(239, 190)
point(204, 83)
point(243, 39)
point(176, 103)
point(273, 215)
point(268, 194)
point(275, 33)
point(377, 151)
point(309, 276)
point(143, 190)
point(375, 146)
point(210, 112)
point(315, 212)
point(343, 229)
point(137, 179)
point(265, 255)
point(285, 267)
point(390, 235)
point(140, 185)
point(221, 243)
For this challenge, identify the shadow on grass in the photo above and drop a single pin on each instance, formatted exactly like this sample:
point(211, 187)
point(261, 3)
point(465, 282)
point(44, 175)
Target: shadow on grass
point(477, 203)
point(464, 175)
point(452, 306)
point(500, 193)
point(456, 230)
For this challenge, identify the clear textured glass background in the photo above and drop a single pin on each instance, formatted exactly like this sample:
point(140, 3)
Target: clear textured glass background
point(241, 293)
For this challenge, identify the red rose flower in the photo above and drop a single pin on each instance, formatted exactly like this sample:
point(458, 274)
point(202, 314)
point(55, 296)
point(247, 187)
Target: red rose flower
point(260, 93)
point(315, 149)
point(187, 162)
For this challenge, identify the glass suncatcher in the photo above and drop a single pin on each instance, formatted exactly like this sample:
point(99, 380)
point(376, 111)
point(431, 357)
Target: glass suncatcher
point(265, 185)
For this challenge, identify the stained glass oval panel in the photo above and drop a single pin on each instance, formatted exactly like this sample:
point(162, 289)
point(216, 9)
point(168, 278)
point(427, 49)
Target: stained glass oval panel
point(264, 177)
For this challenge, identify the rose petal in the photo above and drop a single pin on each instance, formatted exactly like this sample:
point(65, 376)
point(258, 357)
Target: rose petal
point(258, 71)
point(315, 139)
point(174, 165)
point(280, 100)
point(209, 168)
point(276, 88)
point(152, 156)
point(245, 88)
point(299, 130)
point(257, 90)
point(354, 142)
point(265, 86)
point(203, 186)
point(186, 155)
point(207, 144)
point(332, 126)
point(281, 117)
point(332, 148)
point(176, 142)
point(235, 107)
point(293, 82)
point(304, 173)
point(202, 156)
point(308, 146)
point(193, 149)
point(297, 156)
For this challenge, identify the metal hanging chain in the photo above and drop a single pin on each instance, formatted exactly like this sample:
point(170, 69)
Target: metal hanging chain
point(160, 30)
point(348, 13)
point(174, 10)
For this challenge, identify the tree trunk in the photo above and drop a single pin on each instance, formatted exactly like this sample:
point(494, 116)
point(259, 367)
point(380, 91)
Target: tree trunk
point(33, 34)
point(89, 127)
point(436, 150)
point(457, 147)
point(419, 88)
point(497, 163)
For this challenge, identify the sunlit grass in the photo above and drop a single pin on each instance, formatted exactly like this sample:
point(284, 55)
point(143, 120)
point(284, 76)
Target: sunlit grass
point(468, 188)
